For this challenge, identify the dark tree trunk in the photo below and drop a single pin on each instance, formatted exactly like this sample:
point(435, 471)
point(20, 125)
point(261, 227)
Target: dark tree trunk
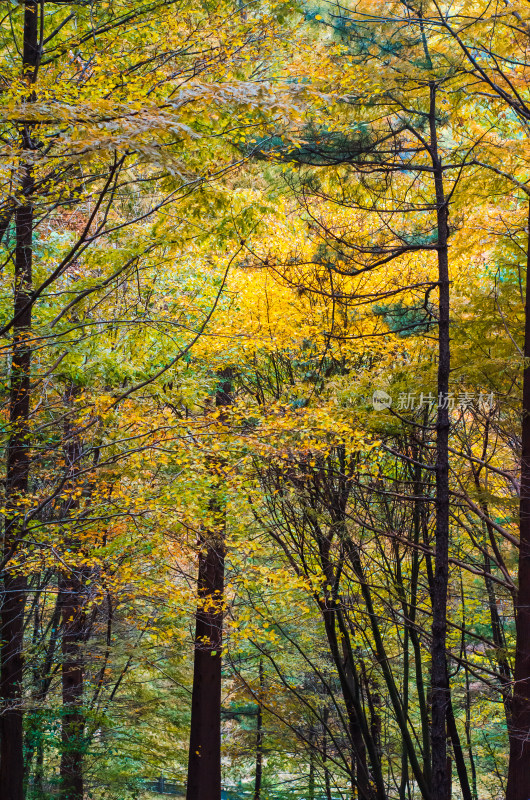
point(468, 737)
point(71, 593)
point(325, 720)
point(259, 737)
point(18, 461)
point(354, 556)
point(311, 780)
point(204, 758)
point(458, 752)
point(519, 768)
point(72, 601)
point(204, 761)
point(420, 511)
point(503, 664)
point(360, 738)
point(439, 684)
point(11, 718)
point(42, 678)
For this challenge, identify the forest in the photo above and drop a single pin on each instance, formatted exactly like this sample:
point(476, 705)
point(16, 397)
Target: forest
point(265, 399)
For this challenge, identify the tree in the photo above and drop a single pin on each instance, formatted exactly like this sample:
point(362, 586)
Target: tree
point(204, 764)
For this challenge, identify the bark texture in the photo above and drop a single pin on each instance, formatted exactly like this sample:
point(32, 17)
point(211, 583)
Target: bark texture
point(204, 759)
point(519, 768)
point(440, 695)
point(18, 456)
point(71, 593)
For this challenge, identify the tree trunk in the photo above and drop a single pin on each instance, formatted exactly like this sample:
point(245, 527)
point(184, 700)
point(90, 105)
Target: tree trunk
point(360, 738)
point(71, 590)
point(519, 767)
point(204, 761)
point(439, 685)
point(259, 737)
point(18, 459)
point(204, 758)
point(35, 725)
point(327, 783)
point(311, 781)
point(458, 752)
point(72, 601)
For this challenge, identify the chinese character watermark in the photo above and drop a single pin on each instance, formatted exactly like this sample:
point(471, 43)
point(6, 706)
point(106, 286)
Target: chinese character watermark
point(411, 401)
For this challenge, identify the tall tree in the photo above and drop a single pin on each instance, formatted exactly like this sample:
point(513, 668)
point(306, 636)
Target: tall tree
point(492, 43)
point(18, 447)
point(74, 155)
point(204, 758)
point(519, 769)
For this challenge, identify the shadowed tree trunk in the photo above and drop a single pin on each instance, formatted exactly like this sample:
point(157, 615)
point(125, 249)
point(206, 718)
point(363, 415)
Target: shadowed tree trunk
point(259, 736)
point(42, 679)
point(519, 769)
point(311, 780)
point(325, 720)
point(72, 601)
point(360, 737)
point(71, 595)
point(204, 759)
point(18, 456)
point(440, 696)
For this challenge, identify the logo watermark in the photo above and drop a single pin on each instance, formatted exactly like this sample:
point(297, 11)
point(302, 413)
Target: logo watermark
point(381, 400)
point(412, 401)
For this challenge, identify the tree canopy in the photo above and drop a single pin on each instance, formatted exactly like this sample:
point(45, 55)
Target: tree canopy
point(265, 388)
